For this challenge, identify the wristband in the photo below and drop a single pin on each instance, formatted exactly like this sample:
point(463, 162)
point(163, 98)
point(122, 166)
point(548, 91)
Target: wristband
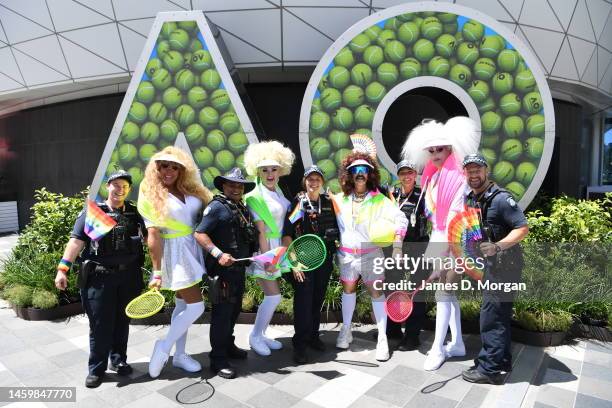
point(64, 265)
point(157, 275)
point(498, 248)
point(216, 252)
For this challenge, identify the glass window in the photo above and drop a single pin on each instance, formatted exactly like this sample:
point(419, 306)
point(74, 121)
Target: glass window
point(606, 168)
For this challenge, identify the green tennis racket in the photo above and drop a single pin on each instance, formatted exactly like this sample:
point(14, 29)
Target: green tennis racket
point(306, 253)
point(145, 305)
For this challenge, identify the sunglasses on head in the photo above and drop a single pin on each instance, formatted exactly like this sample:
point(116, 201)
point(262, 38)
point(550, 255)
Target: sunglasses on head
point(435, 150)
point(360, 169)
point(165, 165)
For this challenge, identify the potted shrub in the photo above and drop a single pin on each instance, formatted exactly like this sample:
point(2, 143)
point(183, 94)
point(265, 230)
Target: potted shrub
point(541, 325)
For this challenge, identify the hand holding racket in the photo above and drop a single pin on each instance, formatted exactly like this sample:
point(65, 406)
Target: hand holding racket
point(145, 305)
point(399, 304)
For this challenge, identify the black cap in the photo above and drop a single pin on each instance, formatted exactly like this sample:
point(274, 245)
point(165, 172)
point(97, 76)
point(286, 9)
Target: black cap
point(475, 158)
point(313, 169)
point(234, 175)
point(120, 174)
point(405, 164)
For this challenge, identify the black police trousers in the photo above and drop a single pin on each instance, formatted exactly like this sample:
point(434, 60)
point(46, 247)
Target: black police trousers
point(222, 321)
point(104, 299)
point(307, 301)
point(495, 317)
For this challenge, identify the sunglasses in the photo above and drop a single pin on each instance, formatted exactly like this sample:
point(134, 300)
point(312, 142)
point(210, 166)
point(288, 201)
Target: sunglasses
point(165, 165)
point(361, 169)
point(436, 150)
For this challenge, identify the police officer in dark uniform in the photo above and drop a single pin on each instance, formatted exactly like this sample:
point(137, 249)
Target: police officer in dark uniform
point(317, 217)
point(504, 225)
point(227, 232)
point(110, 276)
point(408, 197)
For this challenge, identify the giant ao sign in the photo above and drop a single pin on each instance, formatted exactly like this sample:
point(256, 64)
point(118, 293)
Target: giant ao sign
point(185, 91)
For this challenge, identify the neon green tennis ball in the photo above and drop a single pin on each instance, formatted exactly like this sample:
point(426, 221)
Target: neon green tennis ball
point(372, 32)
point(385, 176)
point(145, 92)
point(384, 37)
point(525, 81)
point(184, 80)
point(423, 50)
point(208, 176)
point(472, 31)
point(149, 132)
point(359, 43)
point(216, 140)
point(373, 56)
point(324, 84)
point(328, 167)
point(237, 142)
point(503, 172)
point(502, 83)
point(169, 130)
point(392, 23)
point(338, 139)
point(194, 134)
point(489, 141)
point(513, 126)
point(179, 39)
point(361, 74)
point(508, 60)
point(197, 97)
point(353, 96)
point(138, 112)
point(153, 65)
point(467, 53)
point(525, 172)
point(484, 69)
point(395, 51)
point(535, 125)
point(342, 118)
point(460, 74)
point(446, 17)
point(364, 131)
point(203, 157)
point(522, 66)
point(534, 147)
point(173, 61)
point(195, 45)
point(431, 28)
point(364, 115)
point(172, 98)
point(187, 60)
point(489, 155)
point(320, 148)
point(375, 92)
point(220, 100)
point(511, 149)
point(408, 33)
point(516, 189)
point(510, 104)
point(129, 132)
point(487, 105)
point(184, 115)
point(113, 167)
point(319, 122)
point(208, 117)
point(410, 68)
point(157, 112)
point(340, 155)
point(316, 105)
point(210, 79)
point(224, 160)
point(137, 175)
point(387, 74)
point(418, 21)
point(450, 28)
point(161, 79)
point(491, 45)
point(162, 48)
point(491, 122)
point(189, 26)
point(339, 77)
point(146, 151)
point(330, 99)
point(345, 58)
point(445, 45)
point(201, 60)
point(438, 66)
point(229, 123)
point(333, 185)
point(532, 102)
point(479, 91)
point(168, 28)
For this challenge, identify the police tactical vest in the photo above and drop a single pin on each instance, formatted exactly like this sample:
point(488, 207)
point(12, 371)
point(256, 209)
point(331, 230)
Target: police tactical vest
point(125, 239)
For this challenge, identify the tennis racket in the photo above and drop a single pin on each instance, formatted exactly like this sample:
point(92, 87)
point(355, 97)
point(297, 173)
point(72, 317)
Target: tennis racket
point(306, 253)
point(145, 305)
point(399, 304)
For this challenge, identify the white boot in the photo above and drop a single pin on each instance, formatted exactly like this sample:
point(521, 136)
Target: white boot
point(345, 337)
point(382, 348)
point(258, 345)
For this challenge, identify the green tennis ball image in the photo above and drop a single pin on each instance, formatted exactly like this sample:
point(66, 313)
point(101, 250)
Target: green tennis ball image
point(137, 174)
point(167, 29)
point(438, 66)
point(467, 53)
point(418, 21)
point(525, 172)
point(339, 77)
point(392, 23)
point(359, 43)
point(320, 148)
point(445, 45)
point(491, 45)
point(472, 31)
point(158, 112)
point(447, 17)
point(184, 115)
point(385, 36)
point(229, 123)
point(387, 74)
point(353, 96)
point(410, 68)
point(373, 56)
point(145, 92)
point(179, 39)
point(534, 147)
point(129, 132)
point(431, 28)
point(194, 134)
point(522, 66)
point(385, 176)
point(208, 117)
point(364, 131)
point(189, 26)
point(408, 33)
point(525, 81)
point(489, 141)
point(220, 100)
point(169, 130)
point(511, 149)
point(502, 83)
point(316, 105)
point(487, 105)
point(328, 167)
point(240, 161)
point(173, 60)
point(153, 65)
point(324, 84)
point(375, 92)
point(197, 97)
point(489, 155)
point(510, 103)
point(149, 132)
point(319, 122)
point(201, 60)
point(161, 79)
point(330, 99)
point(340, 155)
point(479, 91)
point(203, 157)
point(503, 172)
point(513, 126)
point(224, 160)
point(103, 192)
point(484, 69)
point(532, 102)
point(361, 74)
point(208, 176)
point(112, 167)
point(535, 125)
point(338, 139)
point(172, 98)
point(372, 32)
point(195, 45)
point(138, 112)
point(516, 189)
point(460, 74)
point(216, 140)
point(395, 51)
point(342, 118)
point(364, 115)
point(450, 28)
point(210, 79)
point(508, 60)
point(146, 151)
point(187, 60)
point(184, 80)
point(334, 185)
point(162, 48)
point(423, 50)
point(237, 142)
point(490, 122)
point(345, 58)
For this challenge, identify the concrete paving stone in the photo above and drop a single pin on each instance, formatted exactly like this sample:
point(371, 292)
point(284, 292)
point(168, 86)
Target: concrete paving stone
point(92, 401)
point(555, 396)
point(33, 369)
point(561, 379)
point(562, 364)
point(571, 351)
point(389, 392)
point(272, 398)
point(366, 401)
point(595, 388)
point(53, 349)
point(271, 377)
point(408, 376)
point(11, 344)
point(597, 371)
point(70, 357)
point(599, 358)
point(430, 401)
point(152, 400)
point(586, 401)
point(185, 389)
point(307, 404)
point(474, 397)
point(7, 379)
point(299, 384)
point(36, 336)
point(540, 405)
point(56, 378)
point(451, 369)
point(599, 346)
point(242, 388)
point(454, 388)
point(25, 356)
point(121, 396)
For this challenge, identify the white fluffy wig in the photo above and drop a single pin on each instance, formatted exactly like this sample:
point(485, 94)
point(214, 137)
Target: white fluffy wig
point(269, 150)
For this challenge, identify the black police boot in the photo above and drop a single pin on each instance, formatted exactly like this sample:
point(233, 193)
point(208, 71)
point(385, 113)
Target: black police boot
point(300, 356)
point(237, 353)
point(475, 376)
point(227, 371)
point(409, 342)
point(317, 344)
point(122, 368)
point(93, 381)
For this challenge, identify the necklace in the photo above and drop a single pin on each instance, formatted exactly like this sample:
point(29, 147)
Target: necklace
point(359, 197)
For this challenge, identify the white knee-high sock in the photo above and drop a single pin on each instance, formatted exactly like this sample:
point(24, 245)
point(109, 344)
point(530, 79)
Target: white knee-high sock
point(179, 306)
point(264, 314)
point(378, 306)
point(181, 323)
point(349, 300)
point(443, 310)
point(455, 322)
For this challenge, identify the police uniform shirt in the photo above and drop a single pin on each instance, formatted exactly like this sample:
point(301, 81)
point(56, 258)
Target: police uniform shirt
point(314, 221)
point(408, 202)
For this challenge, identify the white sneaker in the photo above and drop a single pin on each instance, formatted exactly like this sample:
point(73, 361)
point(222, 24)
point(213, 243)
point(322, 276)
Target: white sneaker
point(434, 360)
point(158, 360)
point(455, 350)
point(187, 363)
point(382, 349)
point(259, 346)
point(345, 337)
point(272, 344)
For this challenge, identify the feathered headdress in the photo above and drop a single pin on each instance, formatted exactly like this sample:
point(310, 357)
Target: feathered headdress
point(363, 144)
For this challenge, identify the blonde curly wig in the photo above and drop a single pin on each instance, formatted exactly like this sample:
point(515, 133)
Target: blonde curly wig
point(257, 152)
point(188, 182)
